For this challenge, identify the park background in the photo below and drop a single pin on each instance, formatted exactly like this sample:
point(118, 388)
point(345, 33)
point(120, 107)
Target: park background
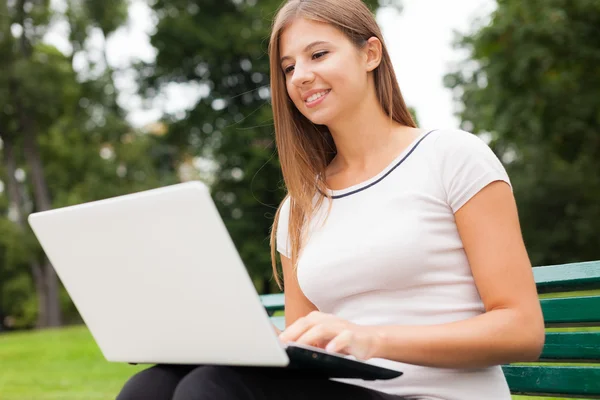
point(100, 98)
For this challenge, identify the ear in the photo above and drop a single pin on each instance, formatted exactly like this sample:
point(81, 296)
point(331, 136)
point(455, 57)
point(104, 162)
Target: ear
point(373, 52)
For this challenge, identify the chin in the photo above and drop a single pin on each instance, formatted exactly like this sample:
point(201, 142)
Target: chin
point(320, 118)
point(319, 121)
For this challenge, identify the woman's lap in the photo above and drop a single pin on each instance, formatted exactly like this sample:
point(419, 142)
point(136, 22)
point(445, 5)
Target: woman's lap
point(240, 383)
point(158, 382)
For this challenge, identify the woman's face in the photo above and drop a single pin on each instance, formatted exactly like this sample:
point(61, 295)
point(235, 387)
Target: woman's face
point(325, 74)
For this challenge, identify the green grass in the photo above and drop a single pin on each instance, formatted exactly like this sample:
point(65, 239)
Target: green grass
point(60, 364)
point(65, 364)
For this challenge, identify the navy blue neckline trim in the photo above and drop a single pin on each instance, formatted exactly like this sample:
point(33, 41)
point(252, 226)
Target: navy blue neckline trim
point(339, 196)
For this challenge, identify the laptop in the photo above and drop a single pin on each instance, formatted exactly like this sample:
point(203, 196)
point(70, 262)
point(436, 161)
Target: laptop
point(157, 279)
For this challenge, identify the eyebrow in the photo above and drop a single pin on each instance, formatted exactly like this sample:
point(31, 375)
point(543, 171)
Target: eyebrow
point(307, 48)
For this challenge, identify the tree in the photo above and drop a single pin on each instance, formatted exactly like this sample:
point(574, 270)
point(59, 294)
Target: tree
point(66, 139)
point(22, 60)
point(220, 48)
point(531, 84)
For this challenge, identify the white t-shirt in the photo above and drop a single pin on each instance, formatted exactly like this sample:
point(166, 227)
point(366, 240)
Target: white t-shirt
point(390, 254)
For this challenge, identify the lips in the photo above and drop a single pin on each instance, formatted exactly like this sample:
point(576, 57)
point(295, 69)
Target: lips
point(315, 97)
point(306, 97)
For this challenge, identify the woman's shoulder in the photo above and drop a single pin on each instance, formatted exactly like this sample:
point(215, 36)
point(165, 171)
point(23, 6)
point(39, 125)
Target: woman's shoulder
point(451, 139)
point(457, 146)
point(284, 209)
point(466, 163)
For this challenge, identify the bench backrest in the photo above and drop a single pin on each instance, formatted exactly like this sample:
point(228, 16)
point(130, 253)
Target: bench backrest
point(570, 361)
point(570, 299)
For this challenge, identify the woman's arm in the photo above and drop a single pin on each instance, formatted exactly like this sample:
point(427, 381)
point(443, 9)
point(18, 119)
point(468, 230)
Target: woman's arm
point(296, 304)
point(511, 329)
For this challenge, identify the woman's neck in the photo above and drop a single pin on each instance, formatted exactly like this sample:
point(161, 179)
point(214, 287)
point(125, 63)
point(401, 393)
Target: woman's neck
point(363, 137)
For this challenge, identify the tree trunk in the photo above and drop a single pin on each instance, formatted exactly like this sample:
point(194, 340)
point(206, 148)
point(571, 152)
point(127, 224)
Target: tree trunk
point(43, 203)
point(15, 204)
point(48, 288)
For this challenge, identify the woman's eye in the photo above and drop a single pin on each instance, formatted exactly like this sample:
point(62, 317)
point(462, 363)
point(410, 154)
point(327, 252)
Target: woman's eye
point(289, 69)
point(320, 54)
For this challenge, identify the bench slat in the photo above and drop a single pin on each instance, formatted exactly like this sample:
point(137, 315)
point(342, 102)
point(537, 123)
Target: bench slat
point(567, 277)
point(553, 380)
point(279, 322)
point(572, 310)
point(572, 346)
point(273, 302)
point(566, 310)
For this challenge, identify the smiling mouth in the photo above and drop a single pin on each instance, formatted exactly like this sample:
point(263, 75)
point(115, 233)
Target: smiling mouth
point(317, 96)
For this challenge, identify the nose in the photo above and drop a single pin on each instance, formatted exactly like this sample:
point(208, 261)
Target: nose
point(302, 75)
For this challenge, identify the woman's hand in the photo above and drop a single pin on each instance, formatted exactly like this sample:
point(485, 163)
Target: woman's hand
point(333, 334)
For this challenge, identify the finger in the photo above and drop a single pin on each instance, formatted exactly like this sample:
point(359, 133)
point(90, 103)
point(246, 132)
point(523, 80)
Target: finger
point(297, 329)
point(318, 336)
point(341, 343)
point(300, 326)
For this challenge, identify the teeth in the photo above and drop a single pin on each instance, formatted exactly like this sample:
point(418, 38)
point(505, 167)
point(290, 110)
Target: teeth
point(316, 96)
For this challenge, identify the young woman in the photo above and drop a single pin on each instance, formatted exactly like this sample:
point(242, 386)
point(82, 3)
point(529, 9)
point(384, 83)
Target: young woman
point(398, 245)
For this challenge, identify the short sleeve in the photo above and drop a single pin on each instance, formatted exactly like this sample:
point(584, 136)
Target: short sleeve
point(468, 165)
point(282, 235)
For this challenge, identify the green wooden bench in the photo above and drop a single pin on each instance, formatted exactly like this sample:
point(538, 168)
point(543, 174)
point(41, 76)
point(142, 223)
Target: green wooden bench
point(570, 362)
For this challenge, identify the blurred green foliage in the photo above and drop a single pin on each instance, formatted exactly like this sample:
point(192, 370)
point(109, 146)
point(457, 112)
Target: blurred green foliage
point(531, 83)
point(70, 125)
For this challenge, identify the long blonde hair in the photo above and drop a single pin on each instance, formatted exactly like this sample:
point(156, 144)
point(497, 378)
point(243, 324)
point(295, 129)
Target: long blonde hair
point(305, 149)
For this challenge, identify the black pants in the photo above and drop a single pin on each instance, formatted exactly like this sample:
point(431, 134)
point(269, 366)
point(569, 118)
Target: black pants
point(171, 382)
